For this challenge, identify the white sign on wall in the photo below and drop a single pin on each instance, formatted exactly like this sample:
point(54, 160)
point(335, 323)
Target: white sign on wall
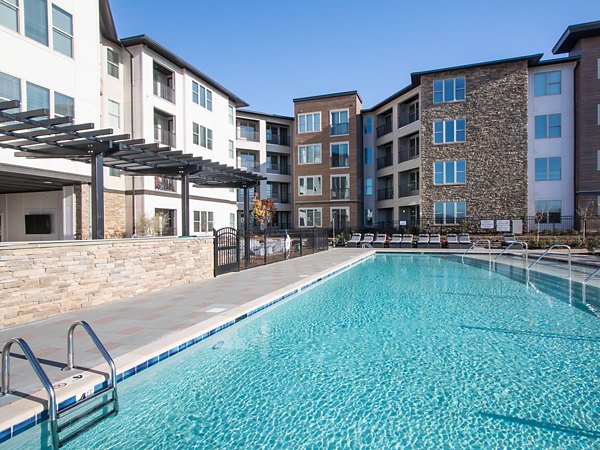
point(487, 225)
point(502, 225)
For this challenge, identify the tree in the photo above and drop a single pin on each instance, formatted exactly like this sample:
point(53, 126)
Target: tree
point(263, 211)
point(587, 209)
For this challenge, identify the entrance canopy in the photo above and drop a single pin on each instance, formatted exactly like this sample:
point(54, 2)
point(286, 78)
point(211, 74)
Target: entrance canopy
point(31, 134)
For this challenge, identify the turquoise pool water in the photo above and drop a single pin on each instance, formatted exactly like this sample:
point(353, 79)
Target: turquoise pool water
point(400, 351)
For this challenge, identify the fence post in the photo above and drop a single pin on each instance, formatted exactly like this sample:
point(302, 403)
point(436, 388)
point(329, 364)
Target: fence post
point(300, 241)
point(216, 253)
point(265, 246)
point(314, 242)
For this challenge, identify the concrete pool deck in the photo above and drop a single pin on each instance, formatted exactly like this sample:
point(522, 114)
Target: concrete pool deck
point(137, 328)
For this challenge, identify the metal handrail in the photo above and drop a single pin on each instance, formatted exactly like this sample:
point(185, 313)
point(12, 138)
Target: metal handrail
point(522, 244)
point(584, 284)
point(101, 349)
point(548, 250)
point(43, 377)
point(475, 245)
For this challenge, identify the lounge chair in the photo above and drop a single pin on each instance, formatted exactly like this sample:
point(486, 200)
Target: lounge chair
point(435, 241)
point(464, 240)
point(354, 241)
point(407, 241)
point(380, 240)
point(423, 241)
point(395, 241)
point(453, 241)
point(367, 239)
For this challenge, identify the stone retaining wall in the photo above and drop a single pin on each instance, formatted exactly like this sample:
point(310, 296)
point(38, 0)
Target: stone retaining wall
point(42, 280)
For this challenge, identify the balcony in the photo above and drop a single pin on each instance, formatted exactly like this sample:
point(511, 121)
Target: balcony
point(385, 194)
point(340, 161)
point(164, 91)
point(164, 184)
point(408, 152)
point(253, 166)
point(384, 129)
point(340, 194)
point(408, 190)
point(279, 197)
point(280, 169)
point(278, 140)
point(248, 134)
point(240, 195)
point(338, 129)
point(385, 161)
point(164, 136)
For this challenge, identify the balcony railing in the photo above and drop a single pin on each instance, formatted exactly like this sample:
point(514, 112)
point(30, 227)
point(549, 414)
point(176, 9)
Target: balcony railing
point(340, 194)
point(408, 190)
point(281, 169)
point(340, 161)
point(164, 91)
point(385, 161)
point(384, 129)
point(164, 184)
point(164, 136)
point(279, 197)
point(338, 128)
point(249, 165)
point(385, 194)
point(407, 153)
point(278, 140)
point(248, 134)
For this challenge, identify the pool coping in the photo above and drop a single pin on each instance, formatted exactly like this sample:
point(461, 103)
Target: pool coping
point(25, 413)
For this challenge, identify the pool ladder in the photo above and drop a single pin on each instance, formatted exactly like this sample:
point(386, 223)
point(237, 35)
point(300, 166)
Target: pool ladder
point(54, 413)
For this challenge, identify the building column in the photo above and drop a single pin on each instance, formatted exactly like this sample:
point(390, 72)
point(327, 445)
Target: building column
point(247, 223)
point(68, 213)
point(97, 215)
point(185, 205)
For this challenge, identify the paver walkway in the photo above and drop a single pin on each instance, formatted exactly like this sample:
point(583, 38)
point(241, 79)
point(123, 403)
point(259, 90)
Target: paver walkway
point(129, 324)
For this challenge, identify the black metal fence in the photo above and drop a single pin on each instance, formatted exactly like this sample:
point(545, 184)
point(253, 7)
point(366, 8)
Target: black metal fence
point(260, 247)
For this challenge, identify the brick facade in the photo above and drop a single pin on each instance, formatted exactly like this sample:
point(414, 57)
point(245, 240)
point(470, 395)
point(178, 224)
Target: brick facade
point(495, 109)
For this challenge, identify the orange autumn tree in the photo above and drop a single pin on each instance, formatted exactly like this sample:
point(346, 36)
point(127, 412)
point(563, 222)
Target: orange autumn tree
point(263, 210)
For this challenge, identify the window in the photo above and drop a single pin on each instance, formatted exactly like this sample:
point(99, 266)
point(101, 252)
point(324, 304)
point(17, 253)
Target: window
point(368, 155)
point(209, 104)
point(548, 211)
point(10, 89)
point(310, 217)
point(9, 14)
point(114, 172)
point(546, 83)
point(547, 126)
point(62, 31)
point(114, 114)
point(309, 154)
point(368, 186)
point(231, 150)
point(413, 112)
point(450, 172)
point(37, 97)
point(340, 155)
point(206, 137)
point(36, 20)
point(340, 187)
point(368, 125)
point(449, 131)
point(231, 115)
point(112, 62)
point(308, 123)
point(203, 221)
point(64, 106)
point(195, 133)
point(449, 90)
point(548, 169)
point(195, 92)
point(205, 96)
point(450, 213)
point(310, 185)
point(339, 122)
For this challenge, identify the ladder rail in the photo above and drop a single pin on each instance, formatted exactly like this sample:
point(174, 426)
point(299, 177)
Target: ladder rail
point(41, 374)
point(522, 244)
point(585, 282)
point(489, 247)
point(101, 348)
point(548, 251)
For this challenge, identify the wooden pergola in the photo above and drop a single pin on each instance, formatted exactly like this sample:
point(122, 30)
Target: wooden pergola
point(32, 134)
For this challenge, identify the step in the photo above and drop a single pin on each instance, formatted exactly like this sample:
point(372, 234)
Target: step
point(69, 409)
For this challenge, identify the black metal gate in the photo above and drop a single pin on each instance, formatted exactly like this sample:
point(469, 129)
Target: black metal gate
point(227, 251)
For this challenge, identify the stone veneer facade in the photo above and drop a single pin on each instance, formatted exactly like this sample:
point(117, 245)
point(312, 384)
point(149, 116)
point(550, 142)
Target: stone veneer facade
point(48, 279)
point(114, 213)
point(495, 109)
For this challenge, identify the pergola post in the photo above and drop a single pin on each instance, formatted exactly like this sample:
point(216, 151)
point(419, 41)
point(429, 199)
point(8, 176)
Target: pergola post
point(246, 223)
point(185, 204)
point(97, 209)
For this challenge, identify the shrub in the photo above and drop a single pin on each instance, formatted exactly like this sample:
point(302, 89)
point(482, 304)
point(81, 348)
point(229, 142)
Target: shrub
point(592, 245)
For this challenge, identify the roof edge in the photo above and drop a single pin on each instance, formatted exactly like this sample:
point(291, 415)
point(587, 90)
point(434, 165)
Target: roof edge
point(573, 34)
point(258, 113)
point(333, 94)
point(394, 96)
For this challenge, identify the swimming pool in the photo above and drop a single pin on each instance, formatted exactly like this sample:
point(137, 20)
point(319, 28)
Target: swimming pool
point(399, 351)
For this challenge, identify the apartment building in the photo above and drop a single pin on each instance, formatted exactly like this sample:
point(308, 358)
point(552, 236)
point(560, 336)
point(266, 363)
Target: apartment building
point(328, 161)
point(264, 145)
point(582, 42)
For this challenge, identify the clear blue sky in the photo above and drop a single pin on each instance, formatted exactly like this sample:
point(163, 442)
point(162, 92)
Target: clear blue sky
point(269, 52)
